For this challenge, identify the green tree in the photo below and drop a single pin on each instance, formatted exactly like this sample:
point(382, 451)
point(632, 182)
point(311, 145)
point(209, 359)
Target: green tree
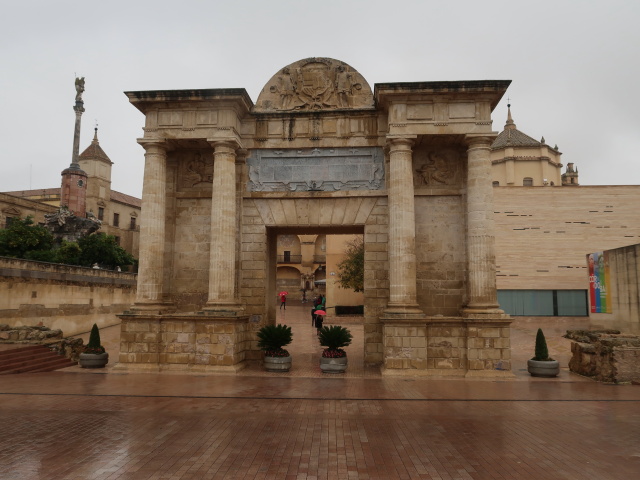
point(351, 269)
point(103, 250)
point(23, 239)
point(68, 253)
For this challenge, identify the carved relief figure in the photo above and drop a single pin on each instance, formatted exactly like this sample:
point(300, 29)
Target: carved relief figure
point(437, 170)
point(197, 171)
point(286, 88)
point(343, 86)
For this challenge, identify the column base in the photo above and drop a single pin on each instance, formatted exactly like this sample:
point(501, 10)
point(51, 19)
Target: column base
point(155, 308)
point(483, 311)
point(222, 309)
point(403, 311)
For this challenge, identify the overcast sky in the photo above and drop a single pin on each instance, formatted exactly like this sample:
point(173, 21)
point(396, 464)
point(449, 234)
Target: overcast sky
point(575, 67)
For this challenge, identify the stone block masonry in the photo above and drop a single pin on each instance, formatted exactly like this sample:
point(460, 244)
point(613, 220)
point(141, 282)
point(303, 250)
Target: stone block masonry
point(200, 342)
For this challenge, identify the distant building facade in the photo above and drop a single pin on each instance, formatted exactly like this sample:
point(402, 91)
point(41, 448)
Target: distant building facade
point(88, 189)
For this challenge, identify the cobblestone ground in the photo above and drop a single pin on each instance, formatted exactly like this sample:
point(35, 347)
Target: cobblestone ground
point(75, 424)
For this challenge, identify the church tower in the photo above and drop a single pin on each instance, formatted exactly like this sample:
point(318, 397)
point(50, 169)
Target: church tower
point(73, 191)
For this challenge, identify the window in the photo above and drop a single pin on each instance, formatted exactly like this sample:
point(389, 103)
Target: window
point(496, 184)
point(527, 182)
point(100, 213)
point(9, 221)
point(116, 219)
point(117, 238)
point(132, 225)
point(287, 256)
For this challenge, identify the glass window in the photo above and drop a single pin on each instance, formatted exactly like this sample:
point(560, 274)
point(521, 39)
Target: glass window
point(116, 219)
point(100, 213)
point(527, 182)
point(132, 225)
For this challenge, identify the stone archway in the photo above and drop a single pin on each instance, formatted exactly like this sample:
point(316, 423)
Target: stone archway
point(407, 164)
point(266, 219)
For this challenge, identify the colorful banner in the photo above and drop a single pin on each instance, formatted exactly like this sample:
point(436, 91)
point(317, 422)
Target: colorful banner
point(599, 301)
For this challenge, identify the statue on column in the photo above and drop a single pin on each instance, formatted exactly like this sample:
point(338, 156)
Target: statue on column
point(79, 88)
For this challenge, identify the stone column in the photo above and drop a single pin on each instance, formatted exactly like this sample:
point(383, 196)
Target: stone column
point(402, 231)
point(222, 254)
point(152, 228)
point(481, 257)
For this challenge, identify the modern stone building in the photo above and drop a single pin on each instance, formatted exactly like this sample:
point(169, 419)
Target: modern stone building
point(408, 165)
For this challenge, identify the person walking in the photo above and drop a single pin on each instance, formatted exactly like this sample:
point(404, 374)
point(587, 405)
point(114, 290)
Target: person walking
point(283, 301)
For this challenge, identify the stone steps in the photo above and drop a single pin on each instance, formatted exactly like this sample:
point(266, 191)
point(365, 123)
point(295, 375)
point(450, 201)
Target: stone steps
point(32, 359)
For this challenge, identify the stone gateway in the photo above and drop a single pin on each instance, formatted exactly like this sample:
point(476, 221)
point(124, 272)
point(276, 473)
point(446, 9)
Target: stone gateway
point(407, 165)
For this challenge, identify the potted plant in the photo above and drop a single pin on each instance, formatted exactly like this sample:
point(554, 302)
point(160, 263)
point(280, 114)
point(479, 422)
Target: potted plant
point(94, 355)
point(271, 340)
point(334, 358)
point(542, 365)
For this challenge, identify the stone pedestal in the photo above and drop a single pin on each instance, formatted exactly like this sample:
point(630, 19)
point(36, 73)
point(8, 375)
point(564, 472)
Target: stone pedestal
point(183, 342)
point(447, 346)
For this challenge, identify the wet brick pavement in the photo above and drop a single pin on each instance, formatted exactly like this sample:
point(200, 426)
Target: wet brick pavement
point(76, 424)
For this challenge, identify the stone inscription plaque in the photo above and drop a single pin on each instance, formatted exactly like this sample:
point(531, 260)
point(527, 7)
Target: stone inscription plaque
point(317, 169)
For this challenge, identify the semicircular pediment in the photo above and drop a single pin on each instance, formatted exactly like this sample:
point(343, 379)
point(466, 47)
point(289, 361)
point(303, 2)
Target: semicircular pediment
point(315, 84)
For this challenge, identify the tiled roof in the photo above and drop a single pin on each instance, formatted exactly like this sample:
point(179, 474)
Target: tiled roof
point(511, 137)
point(35, 193)
point(94, 151)
point(126, 199)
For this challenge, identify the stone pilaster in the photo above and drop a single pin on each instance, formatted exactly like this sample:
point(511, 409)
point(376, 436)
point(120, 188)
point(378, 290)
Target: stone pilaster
point(402, 231)
point(222, 298)
point(481, 259)
point(152, 229)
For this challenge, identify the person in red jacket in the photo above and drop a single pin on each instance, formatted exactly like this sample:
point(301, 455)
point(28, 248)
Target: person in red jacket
point(283, 301)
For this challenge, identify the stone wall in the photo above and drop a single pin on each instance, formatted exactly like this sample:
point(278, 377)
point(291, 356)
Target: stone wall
point(606, 357)
point(62, 296)
point(447, 346)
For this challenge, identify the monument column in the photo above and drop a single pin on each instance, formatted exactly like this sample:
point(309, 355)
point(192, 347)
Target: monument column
point(481, 258)
point(402, 231)
point(222, 253)
point(152, 227)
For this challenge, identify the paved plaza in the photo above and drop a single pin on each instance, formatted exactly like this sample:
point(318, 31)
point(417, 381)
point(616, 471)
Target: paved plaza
point(78, 424)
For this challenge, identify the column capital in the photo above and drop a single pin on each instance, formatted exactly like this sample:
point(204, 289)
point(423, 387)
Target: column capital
point(401, 143)
point(479, 141)
point(231, 142)
point(148, 143)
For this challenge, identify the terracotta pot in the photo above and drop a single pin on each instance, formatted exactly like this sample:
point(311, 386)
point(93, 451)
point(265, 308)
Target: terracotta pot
point(333, 365)
point(543, 368)
point(277, 364)
point(93, 360)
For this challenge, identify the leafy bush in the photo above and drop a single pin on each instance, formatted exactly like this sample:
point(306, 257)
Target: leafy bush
point(103, 250)
point(22, 237)
point(94, 346)
point(335, 338)
point(542, 352)
point(271, 339)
